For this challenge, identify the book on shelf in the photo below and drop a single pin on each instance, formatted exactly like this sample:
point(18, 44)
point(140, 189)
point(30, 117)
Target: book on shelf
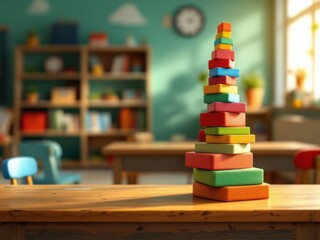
point(130, 119)
point(59, 120)
point(120, 64)
point(35, 121)
point(97, 121)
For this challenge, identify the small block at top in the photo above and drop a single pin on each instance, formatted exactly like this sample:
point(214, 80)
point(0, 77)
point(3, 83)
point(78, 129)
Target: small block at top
point(233, 177)
point(231, 193)
point(220, 88)
point(221, 97)
point(227, 131)
point(224, 26)
point(232, 72)
point(230, 138)
point(226, 107)
point(222, 148)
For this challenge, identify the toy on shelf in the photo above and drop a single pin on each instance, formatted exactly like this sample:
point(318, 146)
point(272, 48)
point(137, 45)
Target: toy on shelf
point(33, 39)
point(97, 68)
point(32, 95)
point(222, 162)
point(98, 39)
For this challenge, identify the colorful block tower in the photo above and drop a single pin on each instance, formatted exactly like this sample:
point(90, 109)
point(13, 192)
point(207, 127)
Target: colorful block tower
point(222, 162)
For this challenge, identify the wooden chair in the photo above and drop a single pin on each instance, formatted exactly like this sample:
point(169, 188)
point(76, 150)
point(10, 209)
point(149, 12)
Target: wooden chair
point(305, 162)
point(19, 167)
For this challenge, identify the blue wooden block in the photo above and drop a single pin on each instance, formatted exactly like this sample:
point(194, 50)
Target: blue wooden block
point(221, 97)
point(231, 72)
point(223, 41)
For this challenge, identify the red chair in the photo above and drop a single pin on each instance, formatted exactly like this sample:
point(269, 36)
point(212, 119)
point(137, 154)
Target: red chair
point(305, 161)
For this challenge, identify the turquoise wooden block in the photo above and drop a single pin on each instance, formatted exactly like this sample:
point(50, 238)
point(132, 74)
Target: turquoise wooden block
point(221, 97)
point(223, 41)
point(231, 72)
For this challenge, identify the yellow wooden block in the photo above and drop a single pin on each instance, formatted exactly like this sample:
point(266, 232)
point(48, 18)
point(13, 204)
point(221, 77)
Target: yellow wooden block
point(230, 138)
point(220, 88)
point(223, 34)
point(223, 47)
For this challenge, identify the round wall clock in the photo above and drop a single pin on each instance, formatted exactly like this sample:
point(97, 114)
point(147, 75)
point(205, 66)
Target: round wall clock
point(188, 21)
point(53, 64)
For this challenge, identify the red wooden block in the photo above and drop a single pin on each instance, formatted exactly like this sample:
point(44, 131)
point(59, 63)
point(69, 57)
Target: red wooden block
point(222, 119)
point(222, 80)
point(231, 193)
point(223, 54)
point(201, 135)
point(224, 26)
point(225, 63)
point(226, 107)
point(217, 161)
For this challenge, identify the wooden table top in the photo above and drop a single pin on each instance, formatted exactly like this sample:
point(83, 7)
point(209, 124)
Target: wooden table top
point(149, 203)
point(272, 148)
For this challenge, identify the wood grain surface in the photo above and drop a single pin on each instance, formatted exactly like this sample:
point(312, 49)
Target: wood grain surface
point(150, 203)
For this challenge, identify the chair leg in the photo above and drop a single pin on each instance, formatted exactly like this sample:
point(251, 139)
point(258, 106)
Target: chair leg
point(29, 180)
point(302, 177)
point(317, 171)
point(14, 181)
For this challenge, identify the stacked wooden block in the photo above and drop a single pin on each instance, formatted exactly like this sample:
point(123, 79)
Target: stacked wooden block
point(222, 162)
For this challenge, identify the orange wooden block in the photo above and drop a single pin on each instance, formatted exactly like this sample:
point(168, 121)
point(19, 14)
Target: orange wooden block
point(220, 88)
point(221, 119)
point(223, 47)
point(224, 26)
point(231, 193)
point(230, 138)
point(218, 161)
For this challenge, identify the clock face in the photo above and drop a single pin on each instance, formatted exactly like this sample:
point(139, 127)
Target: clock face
point(188, 21)
point(54, 64)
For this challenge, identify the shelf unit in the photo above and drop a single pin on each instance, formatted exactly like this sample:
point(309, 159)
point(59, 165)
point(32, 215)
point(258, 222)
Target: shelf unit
point(85, 82)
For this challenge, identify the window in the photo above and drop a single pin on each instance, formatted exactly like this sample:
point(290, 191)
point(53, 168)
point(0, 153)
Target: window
point(303, 46)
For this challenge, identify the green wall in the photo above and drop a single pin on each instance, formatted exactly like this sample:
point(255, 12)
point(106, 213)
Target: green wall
point(176, 61)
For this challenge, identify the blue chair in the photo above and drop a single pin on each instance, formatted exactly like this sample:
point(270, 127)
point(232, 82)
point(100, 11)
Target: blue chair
point(49, 154)
point(19, 167)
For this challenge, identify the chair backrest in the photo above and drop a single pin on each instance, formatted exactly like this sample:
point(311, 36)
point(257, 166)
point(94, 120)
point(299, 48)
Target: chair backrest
point(305, 159)
point(19, 167)
point(47, 152)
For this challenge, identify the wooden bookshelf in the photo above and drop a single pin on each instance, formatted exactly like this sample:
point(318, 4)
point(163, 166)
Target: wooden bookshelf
point(85, 82)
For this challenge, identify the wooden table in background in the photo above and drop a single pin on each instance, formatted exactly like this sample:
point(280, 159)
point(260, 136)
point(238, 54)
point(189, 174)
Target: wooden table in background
point(168, 212)
point(169, 156)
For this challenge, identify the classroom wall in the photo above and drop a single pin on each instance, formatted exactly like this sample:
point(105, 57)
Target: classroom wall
point(176, 61)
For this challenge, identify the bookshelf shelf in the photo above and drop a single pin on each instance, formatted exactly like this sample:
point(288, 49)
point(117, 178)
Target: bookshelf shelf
point(51, 76)
point(130, 81)
point(118, 104)
point(51, 133)
point(122, 76)
point(48, 104)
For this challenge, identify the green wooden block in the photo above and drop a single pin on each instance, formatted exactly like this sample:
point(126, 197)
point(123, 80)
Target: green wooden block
point(234, 177)
point(225, 148)
point(223, 41)
point(221, 97)
point(227, 130)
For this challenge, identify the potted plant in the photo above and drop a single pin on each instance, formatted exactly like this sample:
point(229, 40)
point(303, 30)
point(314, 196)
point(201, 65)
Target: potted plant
point(254, 89)
point(33, 39)
point(32, 95)
point(110, 95)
